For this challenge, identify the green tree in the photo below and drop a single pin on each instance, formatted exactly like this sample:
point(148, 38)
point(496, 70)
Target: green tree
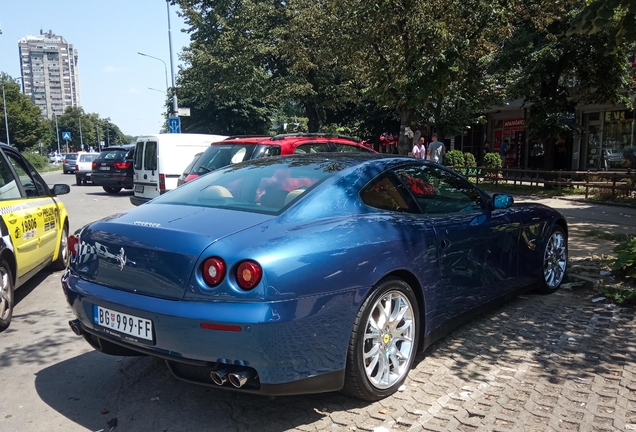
point(619, 16)
point(26, 128)
point(430, 56)
point(554, 72)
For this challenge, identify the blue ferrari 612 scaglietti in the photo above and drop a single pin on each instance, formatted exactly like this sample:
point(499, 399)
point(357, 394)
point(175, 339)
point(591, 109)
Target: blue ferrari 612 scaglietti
point(305, 274)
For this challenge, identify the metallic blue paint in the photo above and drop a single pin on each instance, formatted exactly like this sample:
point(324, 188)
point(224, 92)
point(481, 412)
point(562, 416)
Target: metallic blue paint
point(321, 256)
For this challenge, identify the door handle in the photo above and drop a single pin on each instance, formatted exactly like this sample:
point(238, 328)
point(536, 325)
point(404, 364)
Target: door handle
point(12, 218)
point(445, 243)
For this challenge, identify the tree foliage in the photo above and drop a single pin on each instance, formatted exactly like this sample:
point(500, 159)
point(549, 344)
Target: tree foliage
point(25, 125)
point(619, 16)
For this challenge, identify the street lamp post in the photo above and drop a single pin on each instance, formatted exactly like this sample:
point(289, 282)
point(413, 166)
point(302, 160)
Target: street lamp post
point(57, 133)
point(175, 109)
point(81, 139)
point(165, 67)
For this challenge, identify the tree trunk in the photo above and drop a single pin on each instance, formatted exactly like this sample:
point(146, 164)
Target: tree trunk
point(405, 144)
point(313, 116)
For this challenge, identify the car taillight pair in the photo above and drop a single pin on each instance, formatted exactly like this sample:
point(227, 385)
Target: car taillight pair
point(248, 273)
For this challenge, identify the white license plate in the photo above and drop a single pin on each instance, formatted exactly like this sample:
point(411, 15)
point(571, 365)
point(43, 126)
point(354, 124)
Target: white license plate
point(139, 189)
point(123, 323)
point(104, 168)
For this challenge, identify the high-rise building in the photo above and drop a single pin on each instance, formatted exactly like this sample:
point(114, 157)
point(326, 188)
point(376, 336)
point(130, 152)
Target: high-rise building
point(50, 75)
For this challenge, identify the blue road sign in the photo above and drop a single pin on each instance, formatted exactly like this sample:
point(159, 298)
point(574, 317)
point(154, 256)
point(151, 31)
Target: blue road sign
point(174, 125)
point(66, 136)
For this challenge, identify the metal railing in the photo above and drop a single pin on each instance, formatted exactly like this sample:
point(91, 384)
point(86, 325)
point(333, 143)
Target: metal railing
point(615, 182)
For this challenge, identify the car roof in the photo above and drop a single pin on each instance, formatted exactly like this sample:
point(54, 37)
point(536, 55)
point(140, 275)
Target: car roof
point(289, 139)
point(120, 147)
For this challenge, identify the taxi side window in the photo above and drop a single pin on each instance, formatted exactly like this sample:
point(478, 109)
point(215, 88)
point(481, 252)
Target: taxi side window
point(8, 185)
point(31, 182)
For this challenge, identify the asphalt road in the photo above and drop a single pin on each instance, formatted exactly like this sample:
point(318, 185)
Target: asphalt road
point(51, 380)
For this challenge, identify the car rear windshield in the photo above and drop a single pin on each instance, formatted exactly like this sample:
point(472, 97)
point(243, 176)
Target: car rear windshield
point(88, 157)
point(114, 154)
point(71, 156)
point(219, 156)
point(259, 186)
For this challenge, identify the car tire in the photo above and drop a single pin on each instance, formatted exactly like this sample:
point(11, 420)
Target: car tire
point(78, 181)
point(63, 255)
point(372, 376)
point(7, 299)
point(554, 261)
point(111, 190)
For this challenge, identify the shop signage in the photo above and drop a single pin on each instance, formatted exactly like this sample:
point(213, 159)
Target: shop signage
point(513, 122)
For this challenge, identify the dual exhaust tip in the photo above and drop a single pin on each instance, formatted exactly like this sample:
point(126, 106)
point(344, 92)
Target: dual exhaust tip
point(237, 378)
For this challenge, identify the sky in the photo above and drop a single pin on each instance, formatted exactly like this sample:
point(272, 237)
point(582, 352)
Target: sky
point(107, 35)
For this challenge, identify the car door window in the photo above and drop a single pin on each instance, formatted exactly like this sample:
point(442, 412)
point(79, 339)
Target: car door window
point(31, 182)
point(267, 151)
point(386, 192)
point(8, 184)
point(312, 148)
point(346, 148)
point(150, 156)
point(438, 191)
point(139, 156)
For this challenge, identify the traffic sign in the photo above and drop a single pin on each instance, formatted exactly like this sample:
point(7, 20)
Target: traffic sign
point(183, 112)
point(66, 136)
point(174, 125)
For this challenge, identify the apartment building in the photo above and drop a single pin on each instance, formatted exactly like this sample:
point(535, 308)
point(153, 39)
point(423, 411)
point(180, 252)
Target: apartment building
point(50, 76)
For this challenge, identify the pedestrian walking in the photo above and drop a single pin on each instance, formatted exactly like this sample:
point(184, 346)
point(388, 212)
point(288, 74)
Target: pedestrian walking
point(436, 150)
point(419, 149)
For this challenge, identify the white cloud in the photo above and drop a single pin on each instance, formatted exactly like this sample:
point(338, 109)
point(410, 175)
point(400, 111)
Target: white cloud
point(113, 69)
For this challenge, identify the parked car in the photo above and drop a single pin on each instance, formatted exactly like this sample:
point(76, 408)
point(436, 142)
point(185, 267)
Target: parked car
point(183, 178)
point(161, 158)
point(68, 166)
point(113, 168)
point(84, 167)
point(238, 149)
point(305, 274)
point(33, 225)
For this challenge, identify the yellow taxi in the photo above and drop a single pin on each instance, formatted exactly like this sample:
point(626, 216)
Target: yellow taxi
point(33, 227)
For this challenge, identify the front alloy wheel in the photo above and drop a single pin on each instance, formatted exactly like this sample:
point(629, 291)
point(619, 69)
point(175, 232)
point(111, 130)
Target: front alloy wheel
point(555, 260)
point(384, 341)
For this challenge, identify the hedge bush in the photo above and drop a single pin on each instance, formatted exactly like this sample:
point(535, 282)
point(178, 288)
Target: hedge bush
point(492, 160)
point(469, 160)
point(38, 162)
point(454, 158)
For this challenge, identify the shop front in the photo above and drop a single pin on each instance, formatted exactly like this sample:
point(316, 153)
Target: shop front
point(608, 140)
point(509, 140)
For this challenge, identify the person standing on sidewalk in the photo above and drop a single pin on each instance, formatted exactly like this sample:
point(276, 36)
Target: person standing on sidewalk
point(436, 150)
point(419, 150)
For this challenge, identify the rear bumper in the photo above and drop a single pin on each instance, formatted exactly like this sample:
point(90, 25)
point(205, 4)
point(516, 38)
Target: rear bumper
point(121, 181)
point(296, 346)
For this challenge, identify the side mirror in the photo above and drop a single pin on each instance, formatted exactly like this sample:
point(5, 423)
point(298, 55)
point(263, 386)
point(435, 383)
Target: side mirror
point(60, 189)
point(502, 201)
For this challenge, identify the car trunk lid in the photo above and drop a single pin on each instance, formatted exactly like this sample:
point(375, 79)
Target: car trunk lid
point(153, 249)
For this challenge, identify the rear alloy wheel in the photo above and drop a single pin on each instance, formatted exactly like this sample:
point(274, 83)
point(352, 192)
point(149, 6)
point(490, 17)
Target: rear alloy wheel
point(555, 261)
point(62, 256)
point(111, 190)
point(383, 342)
point(6, 295)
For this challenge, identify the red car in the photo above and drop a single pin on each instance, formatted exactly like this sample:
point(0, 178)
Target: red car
point(240, 148)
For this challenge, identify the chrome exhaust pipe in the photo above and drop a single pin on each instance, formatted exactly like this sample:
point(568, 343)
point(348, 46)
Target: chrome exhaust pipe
point(219, 376)
point(238, 379)
point(76, 327)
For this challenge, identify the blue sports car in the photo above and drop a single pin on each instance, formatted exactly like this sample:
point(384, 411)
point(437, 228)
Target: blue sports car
point(306, 274)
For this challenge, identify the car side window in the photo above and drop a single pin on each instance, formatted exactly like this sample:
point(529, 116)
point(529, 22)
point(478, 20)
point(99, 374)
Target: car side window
point(312, 148)
point(31, 182)
point(438, 191)
point(269, 151)
point(346, 148)
point(130, 154)
point(386, 192)
point(139, 155)
point(150, 156)
point(8, 184)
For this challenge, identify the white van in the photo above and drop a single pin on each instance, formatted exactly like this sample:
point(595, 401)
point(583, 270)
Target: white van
point(161, 158)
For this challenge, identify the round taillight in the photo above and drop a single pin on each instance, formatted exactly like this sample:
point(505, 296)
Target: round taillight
point(72, 245)
point(248, 274)
point(213, 271)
